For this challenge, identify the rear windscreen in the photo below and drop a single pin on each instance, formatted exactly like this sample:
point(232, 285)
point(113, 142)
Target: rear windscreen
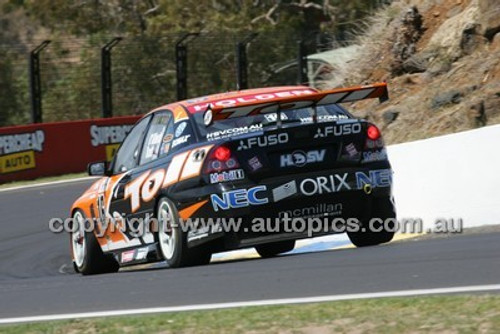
point(249, 124)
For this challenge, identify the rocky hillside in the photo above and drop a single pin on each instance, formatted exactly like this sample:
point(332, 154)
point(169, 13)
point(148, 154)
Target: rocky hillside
point(441, 59)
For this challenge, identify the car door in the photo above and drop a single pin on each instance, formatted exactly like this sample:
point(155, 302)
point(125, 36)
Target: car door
point(133, 197)
point(112, 204)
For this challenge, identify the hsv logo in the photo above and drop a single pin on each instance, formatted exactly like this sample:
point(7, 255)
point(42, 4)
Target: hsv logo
point(263, 141)
point(338, 130)
point(301, 158)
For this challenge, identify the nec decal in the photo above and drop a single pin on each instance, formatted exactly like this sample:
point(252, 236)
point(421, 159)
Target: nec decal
point(263, 141)
point(239, 198)
point(301, 158)
point(375, 178)
point(338, 130)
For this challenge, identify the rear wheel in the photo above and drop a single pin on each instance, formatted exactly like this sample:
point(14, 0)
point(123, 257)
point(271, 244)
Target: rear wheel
point(172, 240)
point(88, 258)
point(381, 230)
point(275, 248)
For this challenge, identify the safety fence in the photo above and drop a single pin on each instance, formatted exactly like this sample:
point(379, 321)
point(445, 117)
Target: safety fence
point(103, 76)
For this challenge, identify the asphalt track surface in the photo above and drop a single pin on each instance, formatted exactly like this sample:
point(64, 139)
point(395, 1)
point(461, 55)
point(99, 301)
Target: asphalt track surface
point(35, 278)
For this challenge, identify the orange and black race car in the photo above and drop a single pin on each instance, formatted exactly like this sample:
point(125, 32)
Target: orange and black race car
point(252, 168)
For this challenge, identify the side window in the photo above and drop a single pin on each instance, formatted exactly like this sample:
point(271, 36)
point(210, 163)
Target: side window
point(126, 157)
point(155, 137)
point(166, 143)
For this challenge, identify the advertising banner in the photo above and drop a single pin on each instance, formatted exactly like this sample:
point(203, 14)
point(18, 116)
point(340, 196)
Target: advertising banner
point(48, 149)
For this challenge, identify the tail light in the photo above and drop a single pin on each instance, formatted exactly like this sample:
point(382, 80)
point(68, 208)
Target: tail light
point(374, 146)
point(373, 138)
point(220, 158)
point(373, 132)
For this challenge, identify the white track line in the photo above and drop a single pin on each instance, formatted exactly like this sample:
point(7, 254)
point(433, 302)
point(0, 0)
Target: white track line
point(28, 186)
point(402, 293)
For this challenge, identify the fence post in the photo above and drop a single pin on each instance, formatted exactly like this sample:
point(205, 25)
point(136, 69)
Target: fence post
point(106, 84)
point(302, 78)
point(181, 64)
point(35, 85)
point(242, 62)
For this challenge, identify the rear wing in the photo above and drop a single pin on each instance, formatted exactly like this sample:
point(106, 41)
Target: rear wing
point(309, 99)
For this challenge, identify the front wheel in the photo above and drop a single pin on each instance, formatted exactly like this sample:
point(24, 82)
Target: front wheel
point(172, 240)
point(275, 248)
point(88, 258)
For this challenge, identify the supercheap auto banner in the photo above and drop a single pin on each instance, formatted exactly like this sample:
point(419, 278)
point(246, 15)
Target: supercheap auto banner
point(47, 149)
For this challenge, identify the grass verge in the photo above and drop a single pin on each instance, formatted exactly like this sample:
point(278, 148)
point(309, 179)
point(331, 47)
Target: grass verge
point(450, 314)
point(42, 180)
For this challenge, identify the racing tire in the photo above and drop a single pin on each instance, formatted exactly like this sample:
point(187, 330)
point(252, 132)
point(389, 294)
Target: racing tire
point(275, 248)
point(88, 258)
point(172, 241)
point(383, 209)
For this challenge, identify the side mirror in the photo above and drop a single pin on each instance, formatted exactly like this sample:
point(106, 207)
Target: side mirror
point(97, 168)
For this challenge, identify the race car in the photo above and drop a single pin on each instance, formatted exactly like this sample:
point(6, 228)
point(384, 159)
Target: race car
point(251, 168)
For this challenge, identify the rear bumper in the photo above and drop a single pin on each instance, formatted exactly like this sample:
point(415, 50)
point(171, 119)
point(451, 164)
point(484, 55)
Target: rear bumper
point(340, 193)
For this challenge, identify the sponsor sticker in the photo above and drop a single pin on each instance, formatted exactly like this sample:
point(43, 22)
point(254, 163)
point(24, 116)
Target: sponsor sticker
point(263, 141)
point(375, 178)
point(334, 183)
point(301, 158)
point(127, 256)
point(168, 138)
point(255, 163)
point(323, 118)
point(351, 150)
point(204, 232)
point(225, 176)
point(232, 132)
point(180, 140)
point(318, 210)
point(142, 253)
point(338, 130)
point(284, 191)
point(378, 155)
point(239, 198)
point(324, 184)
point(273, 117)
point(180, 129)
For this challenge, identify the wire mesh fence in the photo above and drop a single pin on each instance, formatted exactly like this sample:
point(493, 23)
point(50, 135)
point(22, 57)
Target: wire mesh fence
point(143, 71)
